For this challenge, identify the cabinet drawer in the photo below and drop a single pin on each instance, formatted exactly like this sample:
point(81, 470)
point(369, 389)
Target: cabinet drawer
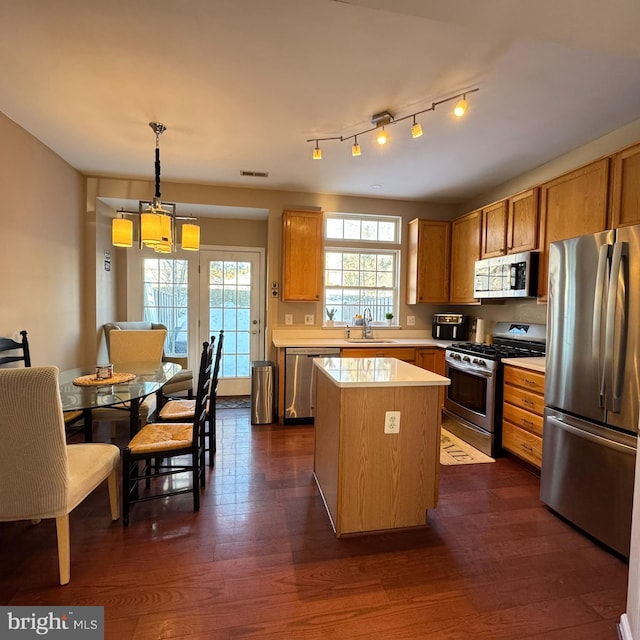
point(408, 354)
point(524, 378)
point(525, 419)
point(522, 443)
point(526, 400)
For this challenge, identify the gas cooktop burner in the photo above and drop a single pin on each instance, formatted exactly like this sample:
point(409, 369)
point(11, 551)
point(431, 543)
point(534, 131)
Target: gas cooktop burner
point(496, 351)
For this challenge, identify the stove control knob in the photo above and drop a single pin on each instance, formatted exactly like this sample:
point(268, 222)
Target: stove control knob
point(455, 356)
point(480, 363)
point(466, 359)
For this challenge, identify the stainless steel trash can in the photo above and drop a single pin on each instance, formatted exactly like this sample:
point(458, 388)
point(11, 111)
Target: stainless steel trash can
point(262, 391)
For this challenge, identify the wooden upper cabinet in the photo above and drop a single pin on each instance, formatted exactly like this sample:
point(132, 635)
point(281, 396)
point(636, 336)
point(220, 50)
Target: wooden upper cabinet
point(510, 226)
point(465, 250)
point(522, 221)
point(625, 188)
point(572, 205)
point(301, 255)
point(494, 230)
point(428, 261)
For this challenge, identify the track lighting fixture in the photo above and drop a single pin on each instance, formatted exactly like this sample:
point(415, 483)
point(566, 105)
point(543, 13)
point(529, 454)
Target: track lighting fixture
point(385, 118)
point(157, 219)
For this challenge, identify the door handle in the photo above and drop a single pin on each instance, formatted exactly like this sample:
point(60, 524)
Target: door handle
point(602, 276)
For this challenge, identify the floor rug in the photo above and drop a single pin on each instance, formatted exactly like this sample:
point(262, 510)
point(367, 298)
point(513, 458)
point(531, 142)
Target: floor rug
point(456, 451)
point(233, 402)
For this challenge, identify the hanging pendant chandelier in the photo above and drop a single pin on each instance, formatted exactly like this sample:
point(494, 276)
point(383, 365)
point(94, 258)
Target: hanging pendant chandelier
point(157, 220)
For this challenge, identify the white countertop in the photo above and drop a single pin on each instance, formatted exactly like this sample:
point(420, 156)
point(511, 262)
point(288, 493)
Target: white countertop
point(283, 341)
point(377, 372)
point(535, 364)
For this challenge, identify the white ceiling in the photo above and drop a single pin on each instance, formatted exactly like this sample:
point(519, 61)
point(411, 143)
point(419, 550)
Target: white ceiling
point(241, 84)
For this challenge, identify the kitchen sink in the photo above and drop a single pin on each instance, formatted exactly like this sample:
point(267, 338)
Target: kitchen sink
point(368, 340)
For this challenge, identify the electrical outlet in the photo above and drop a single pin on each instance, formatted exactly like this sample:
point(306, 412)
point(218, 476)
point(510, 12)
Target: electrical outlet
point(392, 422)
point(288, 318)
point(411, 321)
point(308, 318)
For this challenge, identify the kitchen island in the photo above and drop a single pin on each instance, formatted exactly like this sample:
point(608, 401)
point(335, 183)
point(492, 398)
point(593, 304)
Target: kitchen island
point(377, 442)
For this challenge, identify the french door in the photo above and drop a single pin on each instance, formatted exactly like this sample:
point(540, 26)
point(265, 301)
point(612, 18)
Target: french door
point(232, 298)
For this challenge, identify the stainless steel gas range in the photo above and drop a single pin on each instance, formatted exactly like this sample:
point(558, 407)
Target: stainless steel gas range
point(473, 402)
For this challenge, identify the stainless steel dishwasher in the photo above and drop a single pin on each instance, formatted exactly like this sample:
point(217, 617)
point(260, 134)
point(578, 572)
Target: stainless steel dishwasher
point(299, 381)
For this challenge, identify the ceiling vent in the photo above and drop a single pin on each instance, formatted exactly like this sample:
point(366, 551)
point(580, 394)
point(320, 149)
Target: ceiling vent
point(254, 174)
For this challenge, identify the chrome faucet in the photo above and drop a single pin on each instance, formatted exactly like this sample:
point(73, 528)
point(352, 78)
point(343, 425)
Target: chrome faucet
point(366, 323)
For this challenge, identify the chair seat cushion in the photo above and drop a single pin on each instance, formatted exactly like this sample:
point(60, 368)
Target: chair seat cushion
point(178, 409)
point(72, 416)
point(89, 464)
point(157, 437)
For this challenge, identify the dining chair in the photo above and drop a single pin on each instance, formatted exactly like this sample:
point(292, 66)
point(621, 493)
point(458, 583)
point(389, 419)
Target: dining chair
point(41, 476)
point(163, 449)
point(10, 346)
point(181, 409)
point(127, 346)
point(17, 352)
point(182, 382)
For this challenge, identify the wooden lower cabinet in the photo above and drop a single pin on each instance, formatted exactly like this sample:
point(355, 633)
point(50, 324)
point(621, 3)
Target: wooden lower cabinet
point(407, 354)
point(432, 359)
point(523, 413)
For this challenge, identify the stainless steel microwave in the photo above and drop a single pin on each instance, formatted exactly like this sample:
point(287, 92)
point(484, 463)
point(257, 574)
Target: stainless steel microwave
point(511, 276)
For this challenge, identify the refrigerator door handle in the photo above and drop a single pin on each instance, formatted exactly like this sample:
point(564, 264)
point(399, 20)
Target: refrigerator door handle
point(616, 329)
point(587, 435)
point(602, 277)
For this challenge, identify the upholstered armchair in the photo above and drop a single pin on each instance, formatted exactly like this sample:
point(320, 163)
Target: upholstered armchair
point(41, 476)
point(182, 382)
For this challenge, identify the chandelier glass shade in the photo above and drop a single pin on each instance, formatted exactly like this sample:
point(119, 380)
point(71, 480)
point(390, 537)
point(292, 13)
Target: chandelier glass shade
point(157, 219)
point(122, 232)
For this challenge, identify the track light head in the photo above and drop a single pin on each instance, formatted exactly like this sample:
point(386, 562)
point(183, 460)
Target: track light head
point(317, 152)
point(461, 107)
point(416, 129)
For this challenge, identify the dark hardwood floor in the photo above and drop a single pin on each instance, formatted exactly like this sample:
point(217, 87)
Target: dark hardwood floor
point(260, 560)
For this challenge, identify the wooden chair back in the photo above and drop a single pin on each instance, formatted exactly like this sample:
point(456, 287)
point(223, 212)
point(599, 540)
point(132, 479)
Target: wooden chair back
point(8, 345)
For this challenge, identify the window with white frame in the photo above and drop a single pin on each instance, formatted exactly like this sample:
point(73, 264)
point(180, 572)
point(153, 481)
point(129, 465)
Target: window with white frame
point(361, 265)
point(166, 300)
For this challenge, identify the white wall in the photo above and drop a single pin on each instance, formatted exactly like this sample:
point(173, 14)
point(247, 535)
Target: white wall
point(41, 248)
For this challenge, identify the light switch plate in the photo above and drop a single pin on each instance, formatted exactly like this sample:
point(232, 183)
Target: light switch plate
point(308, 318)
point(288, 318)
point(411, 321)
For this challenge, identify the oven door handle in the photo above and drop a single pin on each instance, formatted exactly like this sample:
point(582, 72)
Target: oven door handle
point(477, 372)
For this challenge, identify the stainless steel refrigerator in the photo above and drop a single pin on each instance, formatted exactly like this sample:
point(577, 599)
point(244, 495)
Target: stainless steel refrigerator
point(592, 383)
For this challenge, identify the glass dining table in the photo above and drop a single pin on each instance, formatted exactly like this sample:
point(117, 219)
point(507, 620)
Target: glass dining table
point(148, 378)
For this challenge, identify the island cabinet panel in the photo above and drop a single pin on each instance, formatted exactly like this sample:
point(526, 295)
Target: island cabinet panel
point(301, 256)
point(523, 413)
point(371, 480)
point(428, 261)
point(572, 205)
